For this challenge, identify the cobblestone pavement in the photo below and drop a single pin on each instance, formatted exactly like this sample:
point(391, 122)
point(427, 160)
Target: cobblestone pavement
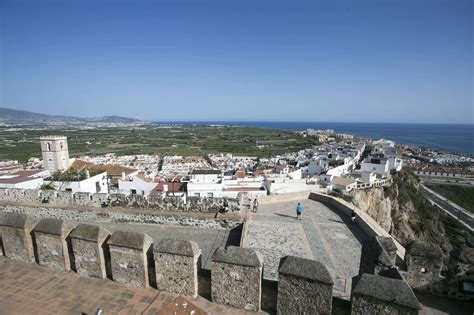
point(27, 288)
point(323, 234)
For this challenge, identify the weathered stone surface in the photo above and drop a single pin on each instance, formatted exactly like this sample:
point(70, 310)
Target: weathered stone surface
point(51, 245)
point(176, 266)
point(236, 278)
point(304, 287)
point(64, 197)
point(82, 198)
point(380, 295)
point(178, 247)
point(16, 194)
point(48, 196)
point(238, 256)
point(423, 262)
point(110, 215)
point(31, 195)
point(87, 246)
point(128, 253)
point(17, 242)
point(193, 204)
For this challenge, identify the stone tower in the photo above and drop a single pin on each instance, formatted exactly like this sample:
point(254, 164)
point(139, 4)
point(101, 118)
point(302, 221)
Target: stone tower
point(55, 153)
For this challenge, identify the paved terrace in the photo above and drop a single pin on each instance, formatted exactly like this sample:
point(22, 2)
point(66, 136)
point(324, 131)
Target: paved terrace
point(323, 234)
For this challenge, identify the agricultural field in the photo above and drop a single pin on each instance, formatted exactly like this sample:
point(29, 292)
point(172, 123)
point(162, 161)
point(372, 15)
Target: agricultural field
point(22, 143)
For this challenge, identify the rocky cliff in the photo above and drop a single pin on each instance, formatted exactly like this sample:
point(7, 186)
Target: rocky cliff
point(403, 212)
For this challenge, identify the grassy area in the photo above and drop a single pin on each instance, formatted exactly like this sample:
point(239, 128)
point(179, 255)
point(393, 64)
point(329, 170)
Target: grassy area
point(461, 195)
point(21, 144)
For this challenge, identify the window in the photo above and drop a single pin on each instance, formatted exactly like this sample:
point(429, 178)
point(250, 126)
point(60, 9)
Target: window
point(61, 145)
point(97, 187)
point(133, 191)
point(210, 195)
point(48, 146)
point(197, 195)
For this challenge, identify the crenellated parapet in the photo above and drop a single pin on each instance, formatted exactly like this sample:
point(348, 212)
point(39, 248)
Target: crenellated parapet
point(304, 286)
point(100, 200)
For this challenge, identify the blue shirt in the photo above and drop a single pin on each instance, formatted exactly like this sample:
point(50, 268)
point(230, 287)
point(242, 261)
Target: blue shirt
point(299, 208)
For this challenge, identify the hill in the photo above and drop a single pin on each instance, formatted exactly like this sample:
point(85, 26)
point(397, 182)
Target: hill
point(13, 116)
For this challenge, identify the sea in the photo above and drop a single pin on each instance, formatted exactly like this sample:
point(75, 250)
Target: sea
point(457, 138)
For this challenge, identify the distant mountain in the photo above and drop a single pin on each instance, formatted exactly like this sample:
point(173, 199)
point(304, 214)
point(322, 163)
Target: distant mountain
point(13, 116)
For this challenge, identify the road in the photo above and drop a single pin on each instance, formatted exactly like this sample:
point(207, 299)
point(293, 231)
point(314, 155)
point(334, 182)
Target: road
point(466, 219)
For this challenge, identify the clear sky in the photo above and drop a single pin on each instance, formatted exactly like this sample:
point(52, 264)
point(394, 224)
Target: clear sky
point(360, 61)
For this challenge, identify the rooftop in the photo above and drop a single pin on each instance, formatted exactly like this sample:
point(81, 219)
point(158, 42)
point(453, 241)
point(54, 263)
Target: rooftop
point(20, 177)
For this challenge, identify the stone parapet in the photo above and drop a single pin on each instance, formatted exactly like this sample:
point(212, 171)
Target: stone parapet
point(304, 287)
point(15, 229)
point(129, 260)
point(31, 195)
point(236, 277)
point(51, 244)
point(381, 295)
point(87, 246)
point(176, 266)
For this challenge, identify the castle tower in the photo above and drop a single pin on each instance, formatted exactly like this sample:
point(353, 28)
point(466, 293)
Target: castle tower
point(55, 153)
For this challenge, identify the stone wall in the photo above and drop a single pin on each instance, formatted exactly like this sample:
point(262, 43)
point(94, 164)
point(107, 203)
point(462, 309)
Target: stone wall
point(236, 276)
point(53, 197)
point(109, 215)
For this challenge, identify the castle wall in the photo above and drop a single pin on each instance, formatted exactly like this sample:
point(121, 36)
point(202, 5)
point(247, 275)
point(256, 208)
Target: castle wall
point(85, 199)
point(236, 275)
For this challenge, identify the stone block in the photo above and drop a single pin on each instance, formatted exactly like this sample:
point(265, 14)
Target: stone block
point(48, 196)
point(51, 244)
point(136, 201)
point(304, 287)
point(99, 199)
point(16, 194)
point(82, 198)
point(15, 229)
point(380, 295)
point(236, 277)
point(3, 193)
point(87, 246)
point(65, 197)
point(378, 254)
point(31, 195)
point(129, 260)
point(117, 200)
point(176, 266)
point(423, 262)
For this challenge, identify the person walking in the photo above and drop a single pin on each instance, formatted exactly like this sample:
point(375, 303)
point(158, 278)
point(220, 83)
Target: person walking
point(299, 210)
point(353, 216)
point(255, 205)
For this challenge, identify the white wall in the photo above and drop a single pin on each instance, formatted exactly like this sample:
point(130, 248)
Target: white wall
point(86, 185)
point(140, 186)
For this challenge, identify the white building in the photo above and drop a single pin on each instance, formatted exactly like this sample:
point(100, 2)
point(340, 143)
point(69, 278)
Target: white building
point(55, 153)
point(23, 179)
point(137, 184)
point(343, 184)
point(93, 184)
point(376, 165)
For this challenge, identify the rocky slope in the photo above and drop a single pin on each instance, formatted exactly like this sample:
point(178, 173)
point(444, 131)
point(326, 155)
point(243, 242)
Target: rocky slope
point(403, 212)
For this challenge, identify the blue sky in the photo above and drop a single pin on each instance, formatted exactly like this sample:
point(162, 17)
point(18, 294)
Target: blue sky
point(360, 61)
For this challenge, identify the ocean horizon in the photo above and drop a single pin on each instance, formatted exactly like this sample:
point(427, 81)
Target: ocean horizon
point(447, 137)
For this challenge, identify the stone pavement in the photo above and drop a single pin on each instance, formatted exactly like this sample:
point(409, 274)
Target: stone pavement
point(27, 288)
point(323, 234)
